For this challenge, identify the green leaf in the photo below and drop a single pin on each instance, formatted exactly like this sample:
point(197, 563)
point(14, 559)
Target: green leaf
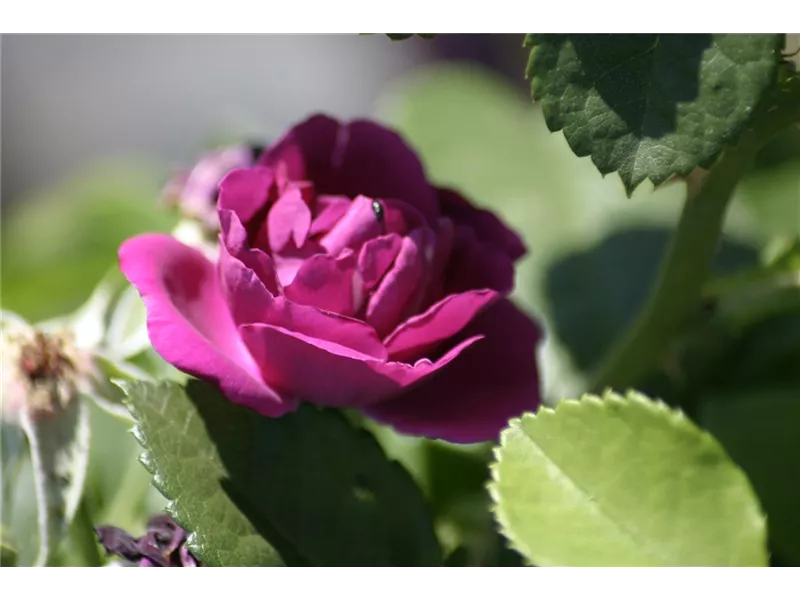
point(758, 428)
point(651, 106)
point(8, 554)
point(59, 446)
point(305, 489)
point(623, 481)
point(127, 327)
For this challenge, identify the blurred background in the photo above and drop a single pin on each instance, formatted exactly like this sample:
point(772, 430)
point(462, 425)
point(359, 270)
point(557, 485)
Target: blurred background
point(93, 126)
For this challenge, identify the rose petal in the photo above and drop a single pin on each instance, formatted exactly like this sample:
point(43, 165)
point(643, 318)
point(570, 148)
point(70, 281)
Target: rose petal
point(358, 225)
point(487, 226)
point(442, 251)
point(329, 210)
point(376, 256)
point(251, 303)
point(247, 193)
point(475, 265)
point(327, 374)
point(288, 219)
point(420, 334)
point(387, 304)
point(329, 283)
point(473, 398)
point(354, 158)
point(189, 323)
point(233, 237)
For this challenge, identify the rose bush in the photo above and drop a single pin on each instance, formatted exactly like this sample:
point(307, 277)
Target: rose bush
point(345, 279)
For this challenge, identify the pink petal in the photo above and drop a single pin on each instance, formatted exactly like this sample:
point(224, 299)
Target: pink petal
point(376, 256)
point(442, 251)
point(358, 225)
point(360, 157)
point(331, 375)
point(233, 237)
point(252, 303)
point(474, 397)
point(328, 283)
point(189, 323)
point(388, 302)
point(246, 192)
point(288, 219)
point(329, 210)
point(487, 226)
point(421, 334)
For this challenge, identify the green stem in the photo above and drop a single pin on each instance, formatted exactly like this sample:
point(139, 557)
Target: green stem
point(686, 266)
point(84, 537)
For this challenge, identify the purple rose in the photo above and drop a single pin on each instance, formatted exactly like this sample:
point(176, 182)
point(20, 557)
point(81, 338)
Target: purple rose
point(346, 279)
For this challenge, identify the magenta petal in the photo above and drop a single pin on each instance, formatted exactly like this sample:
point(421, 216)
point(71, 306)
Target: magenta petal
point(234, 238)
point(474, 265)
point(328, 283)
point(329, 210)
point(252, 303)
point(401, 283)
point(327, 374)
point(473, 398)
point(288, 219)
point(487, 227)
point(358, 225)
point(376, 256)
point(420, 334)
point(246, 192)
point(359, 157)
point(189, 323)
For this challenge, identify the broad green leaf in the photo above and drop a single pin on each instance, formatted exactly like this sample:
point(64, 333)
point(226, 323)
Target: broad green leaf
point(651, 106)
point(59, 447)
point(8, 554)
point(623, 481)
point(759, 429)
point(305, 489)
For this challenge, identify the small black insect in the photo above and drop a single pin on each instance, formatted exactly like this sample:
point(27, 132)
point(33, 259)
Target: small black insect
point(377, 208)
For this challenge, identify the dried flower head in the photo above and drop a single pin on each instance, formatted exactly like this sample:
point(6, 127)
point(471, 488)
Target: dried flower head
point(163, 545)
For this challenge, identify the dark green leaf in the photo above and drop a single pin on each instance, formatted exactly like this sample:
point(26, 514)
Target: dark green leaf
point(651, 106)
point(623, 481)
point(305, 489)
point(758, 428)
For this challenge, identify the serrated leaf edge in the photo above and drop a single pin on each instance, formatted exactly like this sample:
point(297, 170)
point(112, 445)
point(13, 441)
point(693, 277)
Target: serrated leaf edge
point(191, 541)
point(726, 145)
point(675, 416)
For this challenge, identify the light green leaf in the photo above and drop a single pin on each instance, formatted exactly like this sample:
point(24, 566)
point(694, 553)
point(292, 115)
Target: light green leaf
point(8, 554)
point(651, 106)
point(59, 446)
point(758, 428)
point(623, 481)
point(305, 489)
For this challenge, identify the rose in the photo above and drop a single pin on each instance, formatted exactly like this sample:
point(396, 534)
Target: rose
point(346, 279)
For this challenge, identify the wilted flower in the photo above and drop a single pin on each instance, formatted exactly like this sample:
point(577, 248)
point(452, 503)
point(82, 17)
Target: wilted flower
point(164, 544)
point(43, 371)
